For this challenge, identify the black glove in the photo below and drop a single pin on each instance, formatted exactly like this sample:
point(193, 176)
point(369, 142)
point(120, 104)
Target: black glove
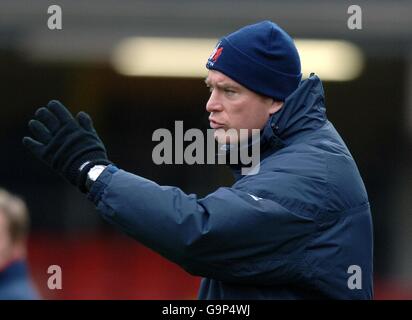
point(70, 146)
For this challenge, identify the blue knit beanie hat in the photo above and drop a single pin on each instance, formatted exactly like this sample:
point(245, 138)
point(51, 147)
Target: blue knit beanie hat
point(262, 57)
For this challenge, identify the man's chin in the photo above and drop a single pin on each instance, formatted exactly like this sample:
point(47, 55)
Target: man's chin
point(229, 136)
point(222, 137)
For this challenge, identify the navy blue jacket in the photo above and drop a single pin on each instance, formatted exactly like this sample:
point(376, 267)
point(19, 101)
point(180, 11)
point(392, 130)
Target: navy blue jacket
point(15, 283)
point(295, 230)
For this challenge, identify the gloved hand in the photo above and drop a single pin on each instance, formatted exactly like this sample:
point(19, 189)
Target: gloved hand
point(70, 146)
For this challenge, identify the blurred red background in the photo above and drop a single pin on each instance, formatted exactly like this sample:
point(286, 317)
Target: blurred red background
point(106, 267)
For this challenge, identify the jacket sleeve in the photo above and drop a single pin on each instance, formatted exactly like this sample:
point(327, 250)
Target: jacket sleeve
point(228, 235)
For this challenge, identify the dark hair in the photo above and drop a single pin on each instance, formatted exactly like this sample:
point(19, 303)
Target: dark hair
point(16, 213)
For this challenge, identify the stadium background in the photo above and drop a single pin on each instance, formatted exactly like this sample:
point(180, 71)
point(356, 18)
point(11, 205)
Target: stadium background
point(373, 112)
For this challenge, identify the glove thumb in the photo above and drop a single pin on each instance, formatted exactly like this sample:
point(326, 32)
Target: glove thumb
point(34, 146)
point(85, 121)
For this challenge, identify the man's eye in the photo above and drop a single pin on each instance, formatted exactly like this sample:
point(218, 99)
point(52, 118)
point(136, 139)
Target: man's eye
point(229, 92)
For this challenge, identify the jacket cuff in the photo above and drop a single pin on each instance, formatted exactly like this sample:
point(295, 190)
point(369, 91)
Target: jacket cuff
point(101, 183)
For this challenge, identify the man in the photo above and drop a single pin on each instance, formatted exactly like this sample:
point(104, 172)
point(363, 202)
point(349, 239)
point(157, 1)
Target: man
point(15, 283)
point(298, 229)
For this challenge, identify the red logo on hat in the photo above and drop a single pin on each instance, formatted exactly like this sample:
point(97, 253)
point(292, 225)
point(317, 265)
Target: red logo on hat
point(217, 54)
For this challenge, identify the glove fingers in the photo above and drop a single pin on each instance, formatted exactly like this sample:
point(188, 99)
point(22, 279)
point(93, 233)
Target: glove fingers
point(40, 132)
point(85, 121)
point(60, 111)
point(34, 146)
point(48, 119)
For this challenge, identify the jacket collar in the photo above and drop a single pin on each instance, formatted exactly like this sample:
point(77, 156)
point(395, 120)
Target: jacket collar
point(303, 111)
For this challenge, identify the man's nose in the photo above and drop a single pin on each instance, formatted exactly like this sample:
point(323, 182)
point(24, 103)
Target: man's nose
point(214, 104)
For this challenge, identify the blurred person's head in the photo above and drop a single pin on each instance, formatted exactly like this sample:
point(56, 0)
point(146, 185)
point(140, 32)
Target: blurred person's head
point(14, 225)
point(251, 73)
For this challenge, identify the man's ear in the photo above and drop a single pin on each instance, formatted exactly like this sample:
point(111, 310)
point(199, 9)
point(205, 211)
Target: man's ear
point(275, 106)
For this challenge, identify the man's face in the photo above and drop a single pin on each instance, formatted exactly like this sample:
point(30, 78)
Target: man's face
point(232, 106)
point(5, 241)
